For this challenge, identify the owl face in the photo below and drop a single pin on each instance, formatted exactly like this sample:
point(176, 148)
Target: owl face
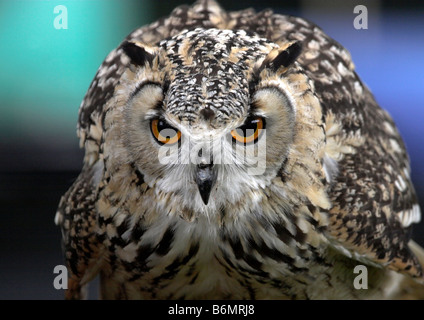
point(208, 116)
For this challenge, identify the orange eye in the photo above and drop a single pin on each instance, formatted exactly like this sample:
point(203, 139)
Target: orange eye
point(250, 131)
point(164, 133)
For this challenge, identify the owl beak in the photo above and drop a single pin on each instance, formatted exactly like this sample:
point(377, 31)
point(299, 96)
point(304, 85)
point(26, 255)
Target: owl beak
point(205, 179)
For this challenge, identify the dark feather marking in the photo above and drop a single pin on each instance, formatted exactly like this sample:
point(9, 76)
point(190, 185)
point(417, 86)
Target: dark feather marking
point(143, 253)
point(283, 234)
point(137, 232)
point(124, 226)
point(165, 244)
point(140, 177)
point(286, 57)
point(174, 267)
point(137, 54)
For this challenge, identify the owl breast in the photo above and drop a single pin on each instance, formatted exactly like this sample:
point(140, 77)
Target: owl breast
point(174, 258)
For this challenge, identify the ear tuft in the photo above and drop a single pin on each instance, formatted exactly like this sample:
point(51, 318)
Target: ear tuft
point(137, 53)
point(286, 57)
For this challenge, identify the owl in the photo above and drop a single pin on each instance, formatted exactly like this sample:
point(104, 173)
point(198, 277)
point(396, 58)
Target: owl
point(238, 155)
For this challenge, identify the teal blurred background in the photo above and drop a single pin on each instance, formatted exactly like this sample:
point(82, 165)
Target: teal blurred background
point(45, 73)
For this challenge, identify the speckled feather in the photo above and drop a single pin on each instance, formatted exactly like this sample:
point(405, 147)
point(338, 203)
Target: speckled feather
point(337, 195)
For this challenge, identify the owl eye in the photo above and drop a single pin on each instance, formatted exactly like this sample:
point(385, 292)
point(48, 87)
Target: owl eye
point(250, 131)
point(164, 133)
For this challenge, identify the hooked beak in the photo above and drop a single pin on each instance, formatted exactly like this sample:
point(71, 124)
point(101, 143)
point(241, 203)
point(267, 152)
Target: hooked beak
point(205, 179)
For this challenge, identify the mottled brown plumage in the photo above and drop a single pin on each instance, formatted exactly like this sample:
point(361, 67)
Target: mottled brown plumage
point(330, 190)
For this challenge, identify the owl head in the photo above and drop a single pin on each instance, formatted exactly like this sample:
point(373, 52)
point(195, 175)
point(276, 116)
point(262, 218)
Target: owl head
point(209, 116)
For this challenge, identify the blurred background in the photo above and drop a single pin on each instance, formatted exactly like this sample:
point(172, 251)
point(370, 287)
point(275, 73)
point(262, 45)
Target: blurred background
point(45, 73)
